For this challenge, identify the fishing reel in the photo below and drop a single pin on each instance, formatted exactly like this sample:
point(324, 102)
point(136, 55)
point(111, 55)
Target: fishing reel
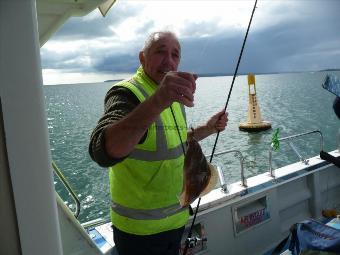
point(192, 242)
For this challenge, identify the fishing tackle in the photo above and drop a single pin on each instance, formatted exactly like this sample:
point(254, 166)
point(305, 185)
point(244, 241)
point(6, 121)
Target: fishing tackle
point(218, 133)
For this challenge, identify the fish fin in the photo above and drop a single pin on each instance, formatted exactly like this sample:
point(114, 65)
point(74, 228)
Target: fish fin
point(212, 181)
point(183, 199)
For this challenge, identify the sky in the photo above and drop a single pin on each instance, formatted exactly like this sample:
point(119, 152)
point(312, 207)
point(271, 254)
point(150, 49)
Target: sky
point(285, 36)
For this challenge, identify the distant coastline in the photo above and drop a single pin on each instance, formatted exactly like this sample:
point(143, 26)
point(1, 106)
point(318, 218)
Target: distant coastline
point(330, 70)
point(116, 80)
point(246, 73)
point(231, 74)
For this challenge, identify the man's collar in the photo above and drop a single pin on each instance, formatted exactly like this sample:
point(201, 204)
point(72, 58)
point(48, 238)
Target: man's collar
point(141, 73)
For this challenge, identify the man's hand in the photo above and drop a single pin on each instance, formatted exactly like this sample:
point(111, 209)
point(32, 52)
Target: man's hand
point(176, 87)
point(217, 122)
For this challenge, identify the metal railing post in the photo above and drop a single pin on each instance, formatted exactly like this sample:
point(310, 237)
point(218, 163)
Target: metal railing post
point(271, 172)
point(289, 138)
point(68, 187)
point(243, 179)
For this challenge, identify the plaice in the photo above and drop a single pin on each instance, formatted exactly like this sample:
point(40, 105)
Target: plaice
point(199, 176)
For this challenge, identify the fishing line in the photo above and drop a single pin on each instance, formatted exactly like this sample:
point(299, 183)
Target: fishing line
point(172, 111)
point(196, 70)
point(235, 73)
point(218, 133)
point(179, 134)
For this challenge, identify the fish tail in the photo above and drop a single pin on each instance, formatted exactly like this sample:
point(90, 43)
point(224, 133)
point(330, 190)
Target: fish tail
point(183, 198)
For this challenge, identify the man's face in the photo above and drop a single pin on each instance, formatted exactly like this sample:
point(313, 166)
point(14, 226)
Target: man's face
point(163, 56)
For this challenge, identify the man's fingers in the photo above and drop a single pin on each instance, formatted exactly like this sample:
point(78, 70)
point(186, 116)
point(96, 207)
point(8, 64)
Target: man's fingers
point(185, 98)
point(222, 115)
point(189, 78)
point(186, 75)
point(180, 87)
point(184, 91)
point(185, 101)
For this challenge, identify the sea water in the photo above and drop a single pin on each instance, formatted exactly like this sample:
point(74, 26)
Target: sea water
point(294, 103)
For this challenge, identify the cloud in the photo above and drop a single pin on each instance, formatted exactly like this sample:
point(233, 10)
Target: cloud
point(121, 63)
point(284, 36)
point(94, 26)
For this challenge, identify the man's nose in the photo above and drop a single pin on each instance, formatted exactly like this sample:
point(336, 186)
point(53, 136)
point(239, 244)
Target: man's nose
point(169, 59)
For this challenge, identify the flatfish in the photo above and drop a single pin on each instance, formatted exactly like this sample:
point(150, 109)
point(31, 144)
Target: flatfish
point(199, 176)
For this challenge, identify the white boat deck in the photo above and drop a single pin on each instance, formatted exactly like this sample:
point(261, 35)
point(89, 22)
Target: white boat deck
point(253, 220)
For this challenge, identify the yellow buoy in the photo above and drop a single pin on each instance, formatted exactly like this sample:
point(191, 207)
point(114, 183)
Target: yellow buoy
point(254, 120)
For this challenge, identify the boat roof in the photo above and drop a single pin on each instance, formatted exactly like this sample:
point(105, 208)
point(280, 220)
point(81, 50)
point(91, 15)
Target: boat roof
point(52, 14)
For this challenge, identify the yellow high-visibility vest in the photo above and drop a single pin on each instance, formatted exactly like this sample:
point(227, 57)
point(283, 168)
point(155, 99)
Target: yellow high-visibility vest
point(145, 187)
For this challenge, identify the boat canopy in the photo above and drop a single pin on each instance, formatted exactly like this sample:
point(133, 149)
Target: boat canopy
point(52, 14)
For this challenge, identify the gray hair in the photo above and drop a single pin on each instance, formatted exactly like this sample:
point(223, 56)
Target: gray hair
point(153, 37)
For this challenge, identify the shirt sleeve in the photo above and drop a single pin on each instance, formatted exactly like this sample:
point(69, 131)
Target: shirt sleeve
point(119, 102)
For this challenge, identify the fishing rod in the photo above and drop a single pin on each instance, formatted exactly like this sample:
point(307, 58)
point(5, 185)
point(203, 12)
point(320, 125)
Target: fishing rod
point(187, 242)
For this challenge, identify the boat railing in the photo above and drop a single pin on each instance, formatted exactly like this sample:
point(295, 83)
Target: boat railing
point(239, 155)
point(290, 143)
point(68, 187)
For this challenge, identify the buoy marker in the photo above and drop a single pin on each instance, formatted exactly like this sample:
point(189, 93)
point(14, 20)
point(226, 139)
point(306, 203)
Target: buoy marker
point(254, 120)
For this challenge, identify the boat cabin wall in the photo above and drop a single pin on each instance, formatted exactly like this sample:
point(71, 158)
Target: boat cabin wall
point(25, 129)
point(256, 222)
point(9, 235)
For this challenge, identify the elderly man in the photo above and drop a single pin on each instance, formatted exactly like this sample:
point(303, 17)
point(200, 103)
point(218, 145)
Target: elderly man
point(141, 138)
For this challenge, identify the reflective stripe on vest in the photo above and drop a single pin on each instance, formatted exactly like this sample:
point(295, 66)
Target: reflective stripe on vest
point(150, 214)
point(162, 152)
point(145, 186)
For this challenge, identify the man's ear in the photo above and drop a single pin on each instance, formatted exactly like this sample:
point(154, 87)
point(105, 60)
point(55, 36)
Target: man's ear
point(141, 58)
